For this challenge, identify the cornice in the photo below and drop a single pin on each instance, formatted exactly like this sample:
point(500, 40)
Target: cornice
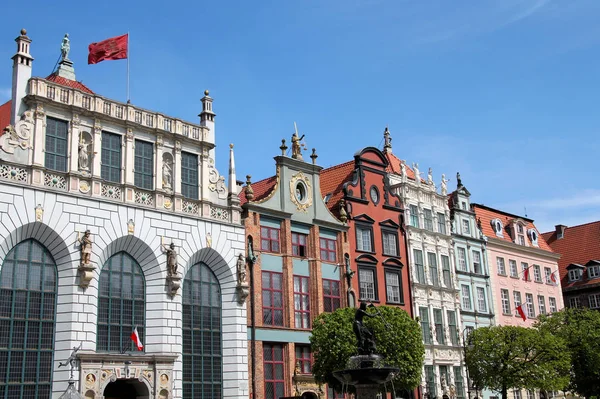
point(522, 248)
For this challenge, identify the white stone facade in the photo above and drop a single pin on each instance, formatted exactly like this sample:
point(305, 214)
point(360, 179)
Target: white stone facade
point(55, 207)
point(432, 241)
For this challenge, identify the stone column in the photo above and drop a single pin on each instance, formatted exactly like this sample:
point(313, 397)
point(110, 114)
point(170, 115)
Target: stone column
point(177, 168)
point(38, 137)
point(158, 156)
point(127, 162)
point(204, 174)
point(97, 150)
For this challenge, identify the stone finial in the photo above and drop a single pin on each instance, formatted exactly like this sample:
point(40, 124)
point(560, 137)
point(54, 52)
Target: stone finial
point(314, 156)
point(249, 189)
point(387, 138)
point(23, 32)
point(343, 213)
point(283, 147)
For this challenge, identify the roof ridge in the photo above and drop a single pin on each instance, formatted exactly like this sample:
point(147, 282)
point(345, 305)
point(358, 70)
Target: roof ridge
point(336, 166)
point(572, 227)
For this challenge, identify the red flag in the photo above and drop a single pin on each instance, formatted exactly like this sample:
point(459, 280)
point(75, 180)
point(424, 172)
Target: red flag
point(526, 274)
point(553, 277)
point(135, 337)
point(114, 48)
point(521, 312)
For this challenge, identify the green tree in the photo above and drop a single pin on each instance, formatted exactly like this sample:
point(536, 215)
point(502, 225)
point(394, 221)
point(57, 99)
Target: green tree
point(580, 328)
point(398, 340)
point(503, 357)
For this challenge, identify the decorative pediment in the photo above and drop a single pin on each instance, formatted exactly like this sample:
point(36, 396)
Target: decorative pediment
point(593, 262)
point(366, 258)
point(389, 223)
point(575, 266)
point(363, 218)
point(393, 262)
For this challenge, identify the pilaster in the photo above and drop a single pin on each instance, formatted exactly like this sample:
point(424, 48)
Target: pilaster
point(177, 167)
point(74, 144)
point(158, 163)
point(127, 161)
point(38, 138)
point(97, 165)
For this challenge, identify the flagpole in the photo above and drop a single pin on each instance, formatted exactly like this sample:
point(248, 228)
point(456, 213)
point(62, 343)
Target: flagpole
point(128, 98)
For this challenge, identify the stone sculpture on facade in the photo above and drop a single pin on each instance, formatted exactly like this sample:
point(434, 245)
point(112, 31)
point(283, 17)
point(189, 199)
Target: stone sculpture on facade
point(167, 174)
point(403, 170)
point(296, 146)
point(444, 184)
point(39, 213)
point(65, 47)
point(84, 159)
point(173, 277)
point(417, 173)
point(86, 267)
point(458, 180)
point(364, 335)
point(14, 140)
point(242, 288)
point(430, 177)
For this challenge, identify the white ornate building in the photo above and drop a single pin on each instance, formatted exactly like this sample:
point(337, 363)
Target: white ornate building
point(138, 180)
point(434, 293)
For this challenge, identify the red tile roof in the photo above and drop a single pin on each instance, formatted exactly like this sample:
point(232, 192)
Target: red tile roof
point(486, 215)
point(69, 83)
point(5, 115)
point(262, 189)
point(394, 166)
point(579, 244)
point(332, 182)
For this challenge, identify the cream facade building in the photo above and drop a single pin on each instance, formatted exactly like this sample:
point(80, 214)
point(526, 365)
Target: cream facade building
point(435, 295)
point(136, 181)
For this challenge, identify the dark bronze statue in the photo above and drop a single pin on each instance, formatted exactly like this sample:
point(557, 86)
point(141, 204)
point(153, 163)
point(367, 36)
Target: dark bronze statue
point(364, 335)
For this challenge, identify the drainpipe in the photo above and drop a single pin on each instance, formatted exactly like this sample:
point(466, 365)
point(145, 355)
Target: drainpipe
point(251, 260)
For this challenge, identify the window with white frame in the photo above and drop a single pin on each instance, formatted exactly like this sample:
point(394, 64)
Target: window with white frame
point(514, 272)
point(530, 307)
point(364, 239)
point(414, 216)
point(466, 297)
point(465, 226)
point(462, 259)
point(418, 256)
point(392, 286)
point(366, 279)
point(574, 274)
point(574, 302)
point(428, 219)
point(481, 302)
point(433, 269)
point(552, 304)
point(521, 239)
point(537, 274)
point(501, 266)
point(390, 243)
point(441, 220)
point(517, 301)
point(593, 272)
point(548, 275)
point(447, 276)
point(477, 263)
point(594, 301)
point(542, 304)
point(505, 302)
point(525, 266)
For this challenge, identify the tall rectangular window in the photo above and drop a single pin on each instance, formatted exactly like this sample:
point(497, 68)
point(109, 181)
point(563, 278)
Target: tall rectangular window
point(301, 302)
point(328, 249)
point(525, 266)
point(505, 302)
point(530, 306)
point(447, 276)
point(452, 327)
point(418, 255)
point(500, 265)
point(433, 269)
point(574, 302)
point(439, 326)
point(269, 239)
point(332, 298)
point(366, 280)
point(430, 380)
point(299, 244)
point(144, 164)
point(466, 227)
point(111, 157)
point(56, 144)
point(414, 216)
point(477, 262)
point(428, 219)
point(364, 239)
point(462, 259)
point(481, 302)
point(272, 298)
point(424, 316)
point(552, 304)
point(459, 383)
point(517, 300)
point(390, 243)
point(393, 286)
point(466, 297)
point(593, 301)
point(542, 304)
point(303, 358)
point(189, 175)
point(514, 272)
point(441, 219)
point(537, 273)
point(548, 275)
point(273, 366)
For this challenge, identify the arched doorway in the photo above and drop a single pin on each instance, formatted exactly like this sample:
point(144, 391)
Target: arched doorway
point(309, 395)
point(126, 389)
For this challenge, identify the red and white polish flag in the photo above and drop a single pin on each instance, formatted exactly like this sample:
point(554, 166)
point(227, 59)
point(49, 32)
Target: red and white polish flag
point(135, 337)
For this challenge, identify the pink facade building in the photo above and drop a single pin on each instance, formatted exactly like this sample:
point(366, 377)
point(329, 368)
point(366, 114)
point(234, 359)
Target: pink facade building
point(523, 268)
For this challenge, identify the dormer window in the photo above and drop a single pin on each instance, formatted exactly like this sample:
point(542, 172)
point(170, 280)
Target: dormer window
point(521, 240)
point(464, 205)
point(574, 275)
point(593, 272)
point(520, 228)
point(533, 236)
point(497, 227)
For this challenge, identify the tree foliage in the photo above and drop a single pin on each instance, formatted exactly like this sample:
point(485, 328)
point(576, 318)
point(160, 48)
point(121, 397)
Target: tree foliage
point(398, 340)
point(580, 328)
point(505, 357)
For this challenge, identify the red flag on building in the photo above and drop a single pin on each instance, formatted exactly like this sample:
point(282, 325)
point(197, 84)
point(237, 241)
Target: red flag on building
point(114, 48)
point(135, 337)
point(526, 274)
point(553, 277)
point(521, 312)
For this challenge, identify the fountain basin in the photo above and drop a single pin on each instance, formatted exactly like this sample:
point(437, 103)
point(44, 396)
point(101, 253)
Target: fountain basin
point(365, 376)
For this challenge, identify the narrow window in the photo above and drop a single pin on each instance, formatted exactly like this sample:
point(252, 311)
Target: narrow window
point(446, 271)
point(111, 157)
point(501, 267)
point(505, 302)
point(439, 326)
point(433, 269)
point(418, 255)
point(441, 219)
point(364, 239)
point(301, 302)
point(481, 302)
point(273, 366)
point(272, 298)
point(393, 286)
point(466, 297)
point(390, 243)
point(56, 144)
point(189, 175)
point(299, 244)
point(331, 295)
point(144, 164)
point(462, 259)
point(452, 327)
point(303, 358)
point(428, 219)
point(424, 316)
point(366, 279)
point(542, 304)
point(328, 249)
point(477, 263)
point(269, 239)
point(414, 216)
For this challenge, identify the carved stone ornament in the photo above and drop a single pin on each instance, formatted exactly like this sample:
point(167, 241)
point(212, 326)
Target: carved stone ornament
point(167, 204)
point(208, 240)
point(216, 182)
point(14, 140)
point(84, 186)
point(39, 213)
point(242, 288)
point(130, 227)
point(301, 191)
point(39, 111)
point(86, 267)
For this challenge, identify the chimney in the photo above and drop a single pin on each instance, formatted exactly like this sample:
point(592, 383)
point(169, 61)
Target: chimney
point(560, 231)
point(22, 63)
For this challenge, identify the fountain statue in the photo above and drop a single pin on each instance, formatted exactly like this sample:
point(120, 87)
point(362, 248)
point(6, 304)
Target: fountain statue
point(365, 371)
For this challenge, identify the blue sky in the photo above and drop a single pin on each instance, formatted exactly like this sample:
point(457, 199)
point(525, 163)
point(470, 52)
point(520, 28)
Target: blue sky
point(504, 91)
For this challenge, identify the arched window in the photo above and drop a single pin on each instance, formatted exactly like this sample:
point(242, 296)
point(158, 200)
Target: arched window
point(27, 317)
point(202, 372)
point(121, 305)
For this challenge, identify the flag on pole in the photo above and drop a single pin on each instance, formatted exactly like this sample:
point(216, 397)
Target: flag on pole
point(526, 273)
point(553, 277)
point(135, 337)
point(521, 312)
point(115, 48)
